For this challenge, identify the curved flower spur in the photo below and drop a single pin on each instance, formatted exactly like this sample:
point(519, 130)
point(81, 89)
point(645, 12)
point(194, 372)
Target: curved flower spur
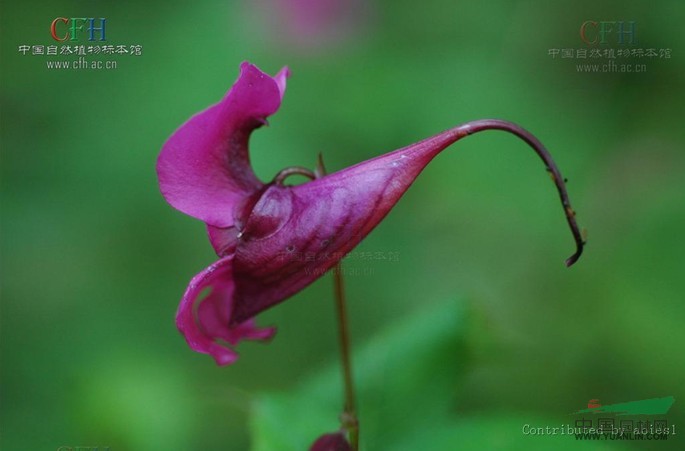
point(273, 239)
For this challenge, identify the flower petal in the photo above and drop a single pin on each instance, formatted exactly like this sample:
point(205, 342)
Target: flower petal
point(280, 79)
point(293, 235)
point(213, 320)
point(223, 240)
point(204, 168)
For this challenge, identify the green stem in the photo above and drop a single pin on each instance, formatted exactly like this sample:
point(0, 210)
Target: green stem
point(349, 417)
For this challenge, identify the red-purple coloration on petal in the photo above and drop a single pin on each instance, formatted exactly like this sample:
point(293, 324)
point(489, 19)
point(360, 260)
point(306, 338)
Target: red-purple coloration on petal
point(331, 442)
point(204, 168)
point(223, 240)
point(204, 324)
point(295, 234)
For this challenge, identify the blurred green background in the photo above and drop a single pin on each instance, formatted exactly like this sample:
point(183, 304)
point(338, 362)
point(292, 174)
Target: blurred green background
point(94, 261)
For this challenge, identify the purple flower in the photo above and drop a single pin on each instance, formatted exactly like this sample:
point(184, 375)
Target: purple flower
point(275, 239)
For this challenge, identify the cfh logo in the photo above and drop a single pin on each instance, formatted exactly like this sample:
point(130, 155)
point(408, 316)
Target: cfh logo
point(62, 28)
point(608, 32)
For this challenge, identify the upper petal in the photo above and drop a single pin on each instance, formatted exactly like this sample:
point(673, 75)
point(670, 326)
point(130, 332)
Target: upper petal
point(204, 167)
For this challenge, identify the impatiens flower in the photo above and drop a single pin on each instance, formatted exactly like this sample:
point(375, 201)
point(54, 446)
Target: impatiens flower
point(273, 239)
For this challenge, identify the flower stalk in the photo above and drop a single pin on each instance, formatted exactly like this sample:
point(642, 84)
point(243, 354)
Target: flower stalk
point(349, 416)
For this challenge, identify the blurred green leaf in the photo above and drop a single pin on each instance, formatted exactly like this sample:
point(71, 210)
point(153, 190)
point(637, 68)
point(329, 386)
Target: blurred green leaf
point(407, 378)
